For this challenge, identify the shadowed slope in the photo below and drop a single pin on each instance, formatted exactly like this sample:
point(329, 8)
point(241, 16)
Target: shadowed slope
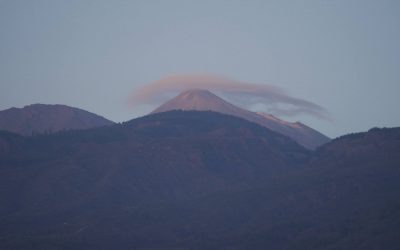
point(197, 180)
point(43, 118)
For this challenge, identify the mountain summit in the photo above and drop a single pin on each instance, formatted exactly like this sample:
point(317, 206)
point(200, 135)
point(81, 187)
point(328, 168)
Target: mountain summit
point(200, 100)
point(41, 118)
point(204, 100)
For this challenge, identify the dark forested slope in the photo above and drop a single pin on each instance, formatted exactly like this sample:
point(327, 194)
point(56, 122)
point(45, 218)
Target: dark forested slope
point(198, 180)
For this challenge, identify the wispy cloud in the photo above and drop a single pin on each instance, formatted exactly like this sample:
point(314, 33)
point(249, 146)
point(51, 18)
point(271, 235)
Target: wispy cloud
point(265, 97)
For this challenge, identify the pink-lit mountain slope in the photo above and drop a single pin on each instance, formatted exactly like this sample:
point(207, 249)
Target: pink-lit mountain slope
point(204, 100)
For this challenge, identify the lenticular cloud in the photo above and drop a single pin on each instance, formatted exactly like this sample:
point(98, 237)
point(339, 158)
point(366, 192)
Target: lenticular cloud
point(265, 97)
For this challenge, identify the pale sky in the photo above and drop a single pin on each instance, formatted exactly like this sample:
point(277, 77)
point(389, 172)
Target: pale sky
point(341, 55)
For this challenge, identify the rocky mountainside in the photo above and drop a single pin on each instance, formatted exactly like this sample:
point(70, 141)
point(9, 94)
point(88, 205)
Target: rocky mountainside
point(43, 118)
point(203, 100)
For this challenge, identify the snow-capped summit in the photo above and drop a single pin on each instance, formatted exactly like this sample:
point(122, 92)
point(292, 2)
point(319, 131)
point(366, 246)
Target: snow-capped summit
point(204, 100)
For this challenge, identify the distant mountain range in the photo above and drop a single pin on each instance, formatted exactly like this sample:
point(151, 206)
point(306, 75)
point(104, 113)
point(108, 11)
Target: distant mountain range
point(198, 180)
point(42, 118)
point(204, 100)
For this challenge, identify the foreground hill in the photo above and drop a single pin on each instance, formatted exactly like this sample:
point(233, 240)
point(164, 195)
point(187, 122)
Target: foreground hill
point(43, 118)
point(204, 100)
point(60, 189)
point(198, 180)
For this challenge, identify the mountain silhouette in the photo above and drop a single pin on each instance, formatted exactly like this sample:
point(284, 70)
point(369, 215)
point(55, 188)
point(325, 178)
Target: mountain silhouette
point(204, 100)
point(197, 180)
point(44, 118)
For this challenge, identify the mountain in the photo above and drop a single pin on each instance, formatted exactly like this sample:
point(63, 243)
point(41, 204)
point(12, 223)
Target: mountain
point(203, 100)
point(198, 180)
point(43, 118)
point(168, 154)
point(104, 185)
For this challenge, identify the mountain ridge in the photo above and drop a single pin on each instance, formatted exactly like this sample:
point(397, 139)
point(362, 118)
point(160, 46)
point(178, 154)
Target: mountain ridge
point(46, 118)
point(197, 179)
point(203, 100)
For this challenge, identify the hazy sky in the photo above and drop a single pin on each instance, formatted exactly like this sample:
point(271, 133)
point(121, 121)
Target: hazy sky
point(341, 55)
